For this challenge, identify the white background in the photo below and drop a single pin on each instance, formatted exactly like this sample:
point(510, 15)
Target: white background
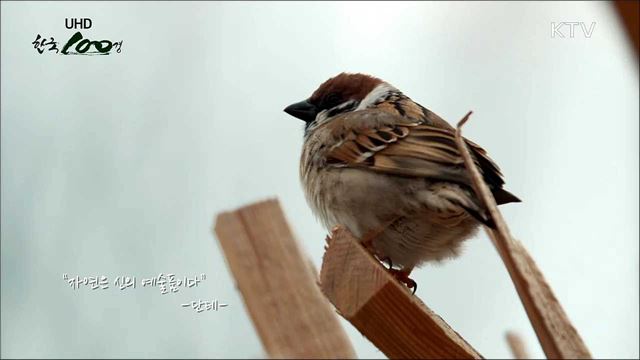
point(116, 165)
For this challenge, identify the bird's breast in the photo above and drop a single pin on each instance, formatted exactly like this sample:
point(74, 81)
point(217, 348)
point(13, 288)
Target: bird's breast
point(359, 199)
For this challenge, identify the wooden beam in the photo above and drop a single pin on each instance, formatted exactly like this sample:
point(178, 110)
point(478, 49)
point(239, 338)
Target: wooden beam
point(384, 311)
point(558, 337)
point(278, 285)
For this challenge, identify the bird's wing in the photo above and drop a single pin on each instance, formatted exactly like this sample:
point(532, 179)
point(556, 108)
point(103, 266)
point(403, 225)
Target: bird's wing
point(415, 150)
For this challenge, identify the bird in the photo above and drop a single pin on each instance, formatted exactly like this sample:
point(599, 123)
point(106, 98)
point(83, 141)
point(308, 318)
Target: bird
point(388, 169)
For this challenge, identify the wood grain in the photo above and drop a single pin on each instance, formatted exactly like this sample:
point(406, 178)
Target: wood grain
point(278, 285)
point(383, 310)
point(557, 336)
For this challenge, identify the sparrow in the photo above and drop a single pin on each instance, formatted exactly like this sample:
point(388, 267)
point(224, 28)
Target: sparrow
point(389, 170)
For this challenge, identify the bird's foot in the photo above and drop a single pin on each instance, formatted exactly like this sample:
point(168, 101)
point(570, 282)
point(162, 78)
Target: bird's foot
point(403, 277)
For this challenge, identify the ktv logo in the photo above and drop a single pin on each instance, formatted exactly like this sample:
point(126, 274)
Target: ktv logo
point(556, 29)
point(77, 44)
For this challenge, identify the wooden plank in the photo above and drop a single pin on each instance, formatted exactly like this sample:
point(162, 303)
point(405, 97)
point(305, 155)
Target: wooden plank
point(384, 311)
point(517, 346)
point(278, 285)
point(629, 14)
point(558, 337)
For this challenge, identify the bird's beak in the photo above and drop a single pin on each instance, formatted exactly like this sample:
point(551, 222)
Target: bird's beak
point(303, 110)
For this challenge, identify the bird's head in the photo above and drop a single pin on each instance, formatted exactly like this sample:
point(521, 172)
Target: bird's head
point(341, 94)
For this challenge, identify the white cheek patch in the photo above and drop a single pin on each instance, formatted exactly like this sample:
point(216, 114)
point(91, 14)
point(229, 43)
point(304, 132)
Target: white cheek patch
point(336, 110)
point(322, 116)
point(376, 94)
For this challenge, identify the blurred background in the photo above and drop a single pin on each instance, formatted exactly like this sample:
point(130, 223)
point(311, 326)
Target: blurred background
point(117, 165)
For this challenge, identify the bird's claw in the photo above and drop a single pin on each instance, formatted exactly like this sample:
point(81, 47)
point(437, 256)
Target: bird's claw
point(404, 278)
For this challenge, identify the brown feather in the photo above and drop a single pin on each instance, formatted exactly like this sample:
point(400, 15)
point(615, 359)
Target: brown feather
point(411, 150)
point(350, 86)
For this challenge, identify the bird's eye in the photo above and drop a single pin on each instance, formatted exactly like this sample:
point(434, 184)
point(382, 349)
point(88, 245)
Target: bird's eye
point(332, 100)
